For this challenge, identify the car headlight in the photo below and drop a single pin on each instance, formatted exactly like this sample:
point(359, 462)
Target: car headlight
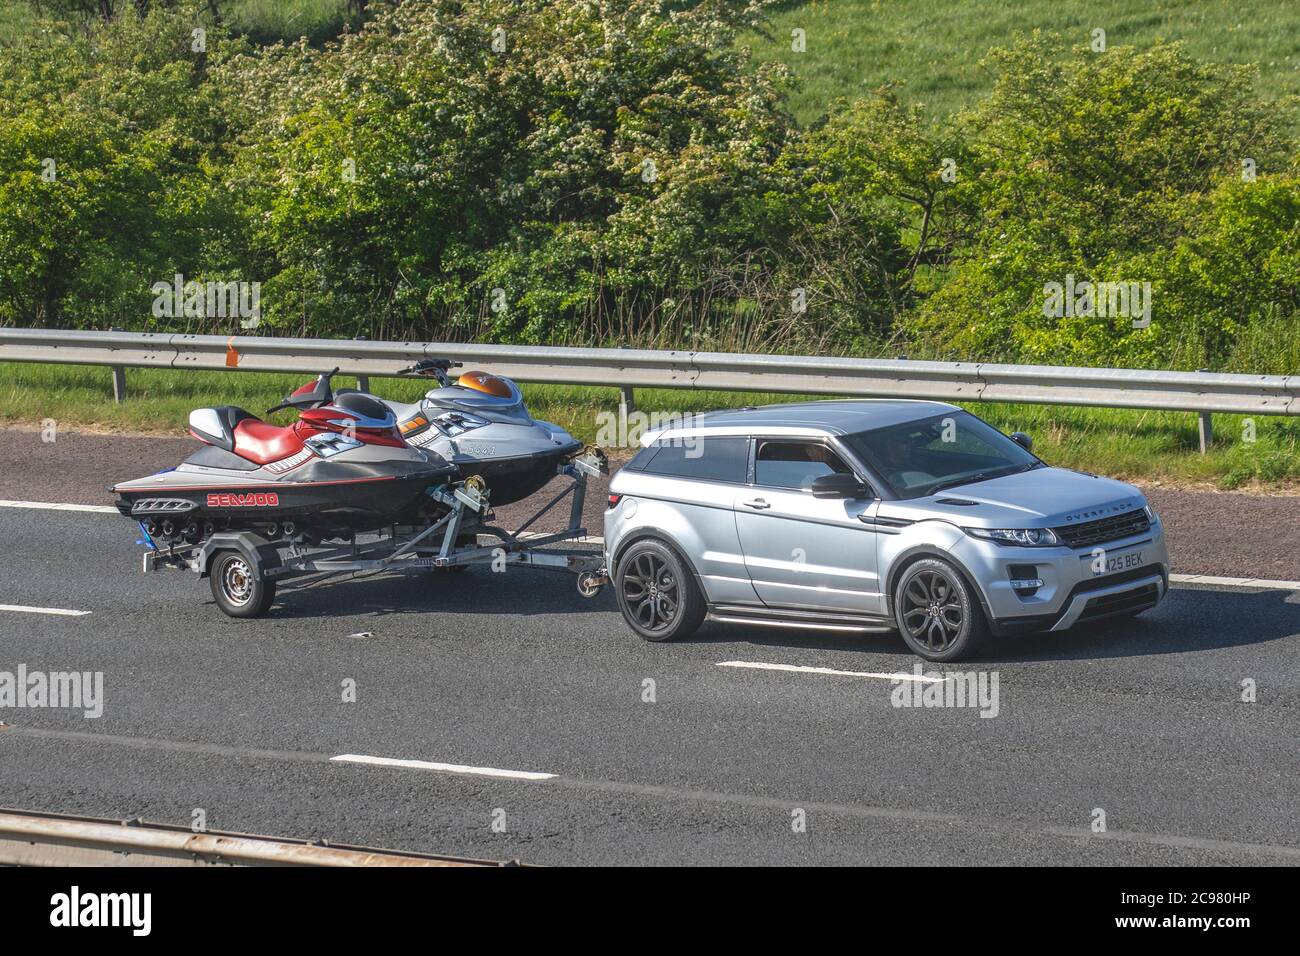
point(1151, 514)
point(1023, 537)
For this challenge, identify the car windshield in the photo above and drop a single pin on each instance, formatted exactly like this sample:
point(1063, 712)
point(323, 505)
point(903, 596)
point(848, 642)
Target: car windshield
point(922, 457)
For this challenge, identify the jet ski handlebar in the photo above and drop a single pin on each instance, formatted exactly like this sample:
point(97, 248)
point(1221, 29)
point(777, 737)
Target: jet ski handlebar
point(318, 392)
point(431, 368)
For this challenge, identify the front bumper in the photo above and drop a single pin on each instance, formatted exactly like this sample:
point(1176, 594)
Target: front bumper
point(1123, 597)
point(1070, 593)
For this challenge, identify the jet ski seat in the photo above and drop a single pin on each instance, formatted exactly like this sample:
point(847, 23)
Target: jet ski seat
point(216, 426)
point(243, 433)
point(264, 443)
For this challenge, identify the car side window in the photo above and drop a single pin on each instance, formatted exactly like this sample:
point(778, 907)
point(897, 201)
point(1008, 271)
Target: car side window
point(795, 464)
point(705, 459)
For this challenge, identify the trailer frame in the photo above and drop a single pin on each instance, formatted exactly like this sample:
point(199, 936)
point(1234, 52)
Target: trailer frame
point(442, 544)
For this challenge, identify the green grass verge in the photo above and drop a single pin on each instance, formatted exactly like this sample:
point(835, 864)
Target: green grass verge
point(933, 47)
point(1149, 446)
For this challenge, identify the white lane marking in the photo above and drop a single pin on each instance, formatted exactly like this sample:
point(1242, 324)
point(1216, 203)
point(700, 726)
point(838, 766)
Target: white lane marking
point(1235, 582)
point(59, 506)
point(442, 767)
point(800, 669)
point(43, 610)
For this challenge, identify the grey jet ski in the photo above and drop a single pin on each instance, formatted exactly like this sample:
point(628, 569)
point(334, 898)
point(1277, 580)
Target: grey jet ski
point(479, 423)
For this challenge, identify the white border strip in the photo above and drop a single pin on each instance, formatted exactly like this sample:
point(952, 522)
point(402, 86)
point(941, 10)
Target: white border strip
point(440, 767)
point(800, 669)
point(59, 506)
point(65, 612)
point(1235, 582)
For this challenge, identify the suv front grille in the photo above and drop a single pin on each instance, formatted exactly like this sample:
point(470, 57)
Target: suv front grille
point(1114, 528)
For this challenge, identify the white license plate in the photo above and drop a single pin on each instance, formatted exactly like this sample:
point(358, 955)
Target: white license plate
point(1104, 564)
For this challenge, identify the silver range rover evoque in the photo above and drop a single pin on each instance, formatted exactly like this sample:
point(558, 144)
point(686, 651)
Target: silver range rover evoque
point(872, 516)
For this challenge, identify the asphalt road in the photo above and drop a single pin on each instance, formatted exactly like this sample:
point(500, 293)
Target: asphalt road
point(1141, 719)
point(1233, 535)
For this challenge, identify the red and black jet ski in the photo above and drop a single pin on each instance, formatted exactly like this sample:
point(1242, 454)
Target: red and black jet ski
point(342, 468)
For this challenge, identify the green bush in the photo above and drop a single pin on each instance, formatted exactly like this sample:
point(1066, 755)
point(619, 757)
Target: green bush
point(567, 154)
point(107, 140)
point(1124, 166)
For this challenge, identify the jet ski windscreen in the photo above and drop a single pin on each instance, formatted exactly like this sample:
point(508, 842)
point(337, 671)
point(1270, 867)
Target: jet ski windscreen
point(363, 405)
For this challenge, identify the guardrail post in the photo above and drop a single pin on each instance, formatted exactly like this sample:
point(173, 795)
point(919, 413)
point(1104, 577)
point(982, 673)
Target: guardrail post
point(626, 401)
point(1205, 427)
point(363, 381)
point(119, 384)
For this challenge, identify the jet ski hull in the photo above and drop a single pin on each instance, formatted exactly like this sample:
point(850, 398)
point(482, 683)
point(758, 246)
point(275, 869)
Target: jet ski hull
point(332, 498)
point(516, 478)
point(361, 499)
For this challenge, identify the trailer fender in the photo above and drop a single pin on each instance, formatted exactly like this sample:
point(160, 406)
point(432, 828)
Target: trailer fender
point(260, 553)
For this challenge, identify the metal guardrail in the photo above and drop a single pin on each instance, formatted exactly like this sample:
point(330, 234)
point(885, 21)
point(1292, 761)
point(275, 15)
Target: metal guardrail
point(55, 839)
point(1199, 392)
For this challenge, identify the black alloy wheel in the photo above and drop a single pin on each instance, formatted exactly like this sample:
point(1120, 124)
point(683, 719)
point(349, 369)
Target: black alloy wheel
point(657, 592)
point(939, 617)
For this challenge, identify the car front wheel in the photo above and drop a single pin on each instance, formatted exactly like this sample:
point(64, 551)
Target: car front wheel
point(936, 612)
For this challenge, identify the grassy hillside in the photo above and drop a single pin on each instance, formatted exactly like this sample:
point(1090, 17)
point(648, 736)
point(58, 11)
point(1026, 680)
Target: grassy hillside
point(500, 198)
point(933, 47)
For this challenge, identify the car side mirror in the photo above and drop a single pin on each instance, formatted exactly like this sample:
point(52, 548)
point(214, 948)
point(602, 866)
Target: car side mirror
point(1023, 440)
point(839, 486)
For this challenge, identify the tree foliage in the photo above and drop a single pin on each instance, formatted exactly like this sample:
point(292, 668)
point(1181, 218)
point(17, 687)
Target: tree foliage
point(621, 171)
point(107, 144)
point(1111, 167)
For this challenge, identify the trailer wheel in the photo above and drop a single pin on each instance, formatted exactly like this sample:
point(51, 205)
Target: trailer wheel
point(590, 583)
point(237, 588)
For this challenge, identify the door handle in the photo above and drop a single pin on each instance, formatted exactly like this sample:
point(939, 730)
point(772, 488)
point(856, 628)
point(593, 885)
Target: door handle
point(758, 503)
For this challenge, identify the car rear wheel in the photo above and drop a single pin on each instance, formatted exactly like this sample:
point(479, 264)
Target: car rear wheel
point(657, 592)
point(236, 586)
point(936, 612)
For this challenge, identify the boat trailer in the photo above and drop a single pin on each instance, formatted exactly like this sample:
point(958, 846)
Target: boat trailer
point(245, 567)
